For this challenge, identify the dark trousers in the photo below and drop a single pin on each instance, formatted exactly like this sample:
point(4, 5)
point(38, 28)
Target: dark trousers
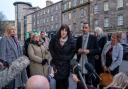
point(62, 83)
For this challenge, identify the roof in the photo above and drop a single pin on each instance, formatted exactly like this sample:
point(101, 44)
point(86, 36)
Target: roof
point(27, 3)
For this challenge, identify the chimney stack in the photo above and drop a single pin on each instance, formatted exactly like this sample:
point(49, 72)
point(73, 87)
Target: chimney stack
point(49, 2)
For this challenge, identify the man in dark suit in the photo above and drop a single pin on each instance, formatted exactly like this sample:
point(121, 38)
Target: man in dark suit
point(86, 47)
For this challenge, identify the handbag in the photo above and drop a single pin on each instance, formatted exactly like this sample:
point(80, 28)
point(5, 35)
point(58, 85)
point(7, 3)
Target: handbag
point(106, 78)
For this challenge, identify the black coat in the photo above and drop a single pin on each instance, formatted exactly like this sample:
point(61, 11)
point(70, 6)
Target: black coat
point(92, 45)
point(101, 43)
point(61, 56)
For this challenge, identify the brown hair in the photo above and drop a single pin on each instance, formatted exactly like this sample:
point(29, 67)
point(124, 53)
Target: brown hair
point(118, 35)
point(64, 26)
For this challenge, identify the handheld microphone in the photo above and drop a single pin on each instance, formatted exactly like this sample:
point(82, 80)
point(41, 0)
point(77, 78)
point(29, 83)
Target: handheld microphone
point(77, 69)
point(91, 70)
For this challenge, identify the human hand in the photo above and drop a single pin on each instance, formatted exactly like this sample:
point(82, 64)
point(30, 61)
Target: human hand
point(44, 61)
point(75, 78)
point(106, 69)
point(86, 51)
point(81, 50)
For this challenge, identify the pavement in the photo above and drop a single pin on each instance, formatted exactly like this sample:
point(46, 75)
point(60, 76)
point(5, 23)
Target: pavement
point(124, 66)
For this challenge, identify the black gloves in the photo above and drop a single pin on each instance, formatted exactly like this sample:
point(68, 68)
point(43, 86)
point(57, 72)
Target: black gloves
point(44, 61)
point(5, 63)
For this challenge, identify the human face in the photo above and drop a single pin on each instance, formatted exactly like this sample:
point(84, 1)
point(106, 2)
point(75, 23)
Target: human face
point(86, 28)
point(63, 33)
point(42, 35)
point(12, 32)
point(114, 39)
point(36, 38)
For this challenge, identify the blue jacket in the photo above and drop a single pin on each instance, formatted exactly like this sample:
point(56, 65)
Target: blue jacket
point(117, 55)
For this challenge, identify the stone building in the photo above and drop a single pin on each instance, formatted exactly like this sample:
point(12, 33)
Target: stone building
point(74, 13)
point(48, 18)
point(111, 15)
point(21, 9)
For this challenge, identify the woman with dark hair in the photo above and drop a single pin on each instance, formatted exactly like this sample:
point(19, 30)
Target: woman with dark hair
point(62, 49)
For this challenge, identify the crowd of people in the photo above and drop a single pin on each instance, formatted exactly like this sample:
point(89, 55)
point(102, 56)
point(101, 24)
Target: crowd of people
point(53, 57)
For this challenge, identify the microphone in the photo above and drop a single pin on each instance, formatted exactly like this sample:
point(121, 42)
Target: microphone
point(91, 70)
point(77, 69)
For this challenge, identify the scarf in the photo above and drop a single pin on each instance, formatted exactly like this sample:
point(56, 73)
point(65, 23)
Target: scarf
point(62, 41)
point(84, 58)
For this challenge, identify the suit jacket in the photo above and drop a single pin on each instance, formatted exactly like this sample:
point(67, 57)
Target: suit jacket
point(92, 45)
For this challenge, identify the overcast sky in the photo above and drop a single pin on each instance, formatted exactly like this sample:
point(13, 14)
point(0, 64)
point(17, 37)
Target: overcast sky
point(7, 8)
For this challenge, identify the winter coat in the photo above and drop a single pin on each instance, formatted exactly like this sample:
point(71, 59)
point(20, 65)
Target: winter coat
point(37, 54)
point(61, 57)
point(10, 51)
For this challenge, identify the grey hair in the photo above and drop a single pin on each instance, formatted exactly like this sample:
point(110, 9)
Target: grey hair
point(120, 80)
point(99, 31)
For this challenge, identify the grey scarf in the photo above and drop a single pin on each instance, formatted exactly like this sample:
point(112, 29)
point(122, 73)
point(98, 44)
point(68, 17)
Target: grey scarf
point(84, 58)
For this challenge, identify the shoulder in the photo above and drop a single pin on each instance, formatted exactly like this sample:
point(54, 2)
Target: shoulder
point(79, 38)
point(54, 38)
point(92, 36)
point(4, 39)
point(120, 46)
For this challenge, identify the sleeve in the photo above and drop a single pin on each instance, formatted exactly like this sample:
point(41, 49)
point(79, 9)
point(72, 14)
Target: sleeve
point(3, 48)
point(118, 60)
point(32, 55)
point(51, 47)
point(72, 50)
point(80, 85)
point(103, 58)
point(78, 44)
point(95, 49)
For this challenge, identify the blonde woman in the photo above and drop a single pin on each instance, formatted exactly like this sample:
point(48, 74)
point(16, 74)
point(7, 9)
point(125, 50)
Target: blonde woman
point(120, 81)
point(112, 54)
point(39, 56)
point(10, 52)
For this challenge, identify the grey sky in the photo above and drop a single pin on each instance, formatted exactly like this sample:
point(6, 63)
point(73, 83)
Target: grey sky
point(7, 8)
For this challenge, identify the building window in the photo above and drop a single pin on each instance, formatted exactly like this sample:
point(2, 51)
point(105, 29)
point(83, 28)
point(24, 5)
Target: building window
point(81, 1)
point(44, 12)
point(65, 6)
point(106, 7)
point(70, 27)
point(51, 18)
point(82, 13)
point(38, 22)
point(96, 10)
point(119, 3)
point(57, 7)
point(48, 11)
point(96, 23)
point(43, 21)
point(47, 20)
point(106, 22)
point(69, 15)
point(69, 4)
point(74, 3)
point(81, 26)
point(51, 27)
point(56, 26)
point(120, 20)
